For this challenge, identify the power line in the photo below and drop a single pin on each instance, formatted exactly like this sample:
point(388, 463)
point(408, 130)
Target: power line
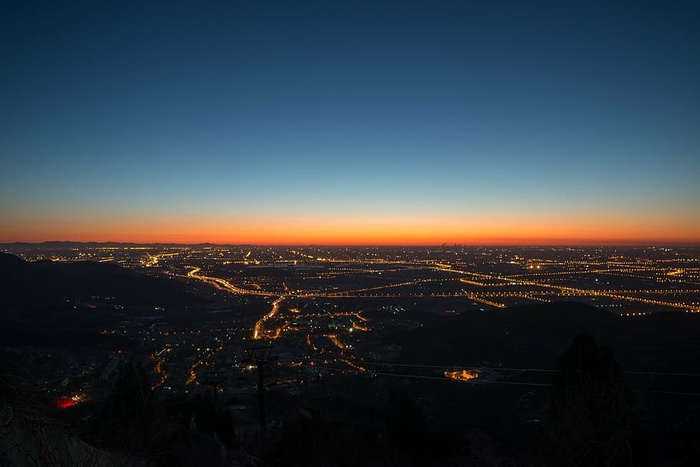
point(674, 393)
point(477, 381)
point(523, 370)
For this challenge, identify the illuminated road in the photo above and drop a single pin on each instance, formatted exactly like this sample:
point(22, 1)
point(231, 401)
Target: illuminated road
point(203, 361)
point(478, 297)
point(259, 329)
point(226, 285)
point(536, 283)
point(564, 290)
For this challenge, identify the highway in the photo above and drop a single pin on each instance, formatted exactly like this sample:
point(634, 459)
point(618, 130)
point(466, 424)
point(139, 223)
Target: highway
point(259, 329)
point(536, 287)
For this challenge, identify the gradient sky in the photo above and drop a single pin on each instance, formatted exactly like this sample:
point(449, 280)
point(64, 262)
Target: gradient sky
point(330, 122)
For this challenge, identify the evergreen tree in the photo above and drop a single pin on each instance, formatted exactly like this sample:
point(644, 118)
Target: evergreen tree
point(406, 426)
point(126, 422)
point(590, 409)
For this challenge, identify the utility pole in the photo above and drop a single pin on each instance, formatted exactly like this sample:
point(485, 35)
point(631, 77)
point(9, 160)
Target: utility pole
point(213, 380)
point(260, 356)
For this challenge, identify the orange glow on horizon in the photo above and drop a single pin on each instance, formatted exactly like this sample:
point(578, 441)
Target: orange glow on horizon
point(521, 229)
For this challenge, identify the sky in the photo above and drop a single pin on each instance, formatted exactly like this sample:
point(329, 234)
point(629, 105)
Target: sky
point(359, 122)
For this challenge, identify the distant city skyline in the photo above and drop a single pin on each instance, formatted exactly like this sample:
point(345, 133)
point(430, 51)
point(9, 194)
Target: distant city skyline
point(351, 123)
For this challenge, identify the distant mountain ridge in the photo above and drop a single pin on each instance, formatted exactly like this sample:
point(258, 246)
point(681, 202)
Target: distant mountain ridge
point(71, 244)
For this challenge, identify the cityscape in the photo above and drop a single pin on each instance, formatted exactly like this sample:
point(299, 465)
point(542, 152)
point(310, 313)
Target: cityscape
point(327, 310)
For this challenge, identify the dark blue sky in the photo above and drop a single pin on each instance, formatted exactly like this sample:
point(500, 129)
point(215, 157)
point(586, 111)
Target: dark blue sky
point(127, 120)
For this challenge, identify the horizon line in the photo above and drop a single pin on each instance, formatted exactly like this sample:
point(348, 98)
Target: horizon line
point(592, 244)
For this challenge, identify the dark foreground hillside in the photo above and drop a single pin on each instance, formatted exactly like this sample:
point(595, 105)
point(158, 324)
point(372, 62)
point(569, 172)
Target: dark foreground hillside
point(559, 385)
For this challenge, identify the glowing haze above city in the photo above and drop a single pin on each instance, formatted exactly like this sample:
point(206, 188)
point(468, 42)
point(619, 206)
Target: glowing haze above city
point(353, 123)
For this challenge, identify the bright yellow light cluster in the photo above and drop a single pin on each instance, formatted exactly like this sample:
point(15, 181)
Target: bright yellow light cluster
point(462, 375)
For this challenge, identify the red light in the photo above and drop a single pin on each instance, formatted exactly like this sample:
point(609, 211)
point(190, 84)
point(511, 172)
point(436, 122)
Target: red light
point(65, 402)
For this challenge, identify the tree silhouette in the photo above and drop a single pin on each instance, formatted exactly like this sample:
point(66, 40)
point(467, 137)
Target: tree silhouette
point(406, 426)
point(127, 420)
point(590, 409)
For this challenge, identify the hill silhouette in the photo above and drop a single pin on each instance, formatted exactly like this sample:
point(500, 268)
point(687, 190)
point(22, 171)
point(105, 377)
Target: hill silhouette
point(533, 336)
point(52, 304)
point(43, 284)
